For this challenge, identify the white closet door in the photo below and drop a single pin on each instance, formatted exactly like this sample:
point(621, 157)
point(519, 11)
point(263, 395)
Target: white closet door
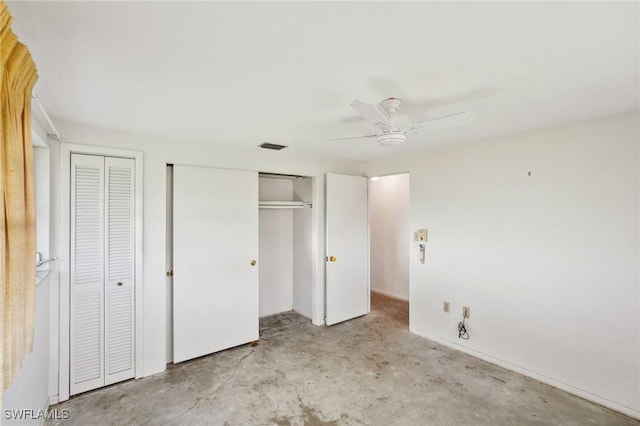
point(87, 273)
point(120, 269)
point(347, 266)
point(215, 241)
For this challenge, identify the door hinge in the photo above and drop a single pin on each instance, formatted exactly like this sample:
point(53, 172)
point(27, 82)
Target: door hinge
point(170, 273)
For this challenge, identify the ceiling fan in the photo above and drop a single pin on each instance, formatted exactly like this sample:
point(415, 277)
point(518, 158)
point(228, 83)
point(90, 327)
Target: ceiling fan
point(388, 133)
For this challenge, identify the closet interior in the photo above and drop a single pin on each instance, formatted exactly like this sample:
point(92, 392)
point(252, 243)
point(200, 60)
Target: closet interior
point(285, 244)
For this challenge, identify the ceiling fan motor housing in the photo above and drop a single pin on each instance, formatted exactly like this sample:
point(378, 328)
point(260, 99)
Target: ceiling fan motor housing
point(390, 106)
point(392, 139)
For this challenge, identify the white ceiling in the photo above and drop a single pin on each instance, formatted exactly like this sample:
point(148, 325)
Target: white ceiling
point(243, 73)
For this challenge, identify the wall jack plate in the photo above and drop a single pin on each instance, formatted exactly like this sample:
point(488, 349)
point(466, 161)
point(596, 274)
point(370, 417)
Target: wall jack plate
point(465, 312)
point(446, 307)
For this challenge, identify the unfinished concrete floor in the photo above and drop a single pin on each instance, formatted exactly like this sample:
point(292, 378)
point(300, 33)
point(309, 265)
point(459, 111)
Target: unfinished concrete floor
point(368, 371)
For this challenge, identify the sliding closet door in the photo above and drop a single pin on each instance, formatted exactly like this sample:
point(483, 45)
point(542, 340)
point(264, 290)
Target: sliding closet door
point(120, 269)
point(87, 273)
point(102, 271)
point(215, 248)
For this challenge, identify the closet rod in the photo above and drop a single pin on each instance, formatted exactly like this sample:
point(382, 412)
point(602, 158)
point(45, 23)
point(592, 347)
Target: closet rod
point(278, 175)
point(283, 205)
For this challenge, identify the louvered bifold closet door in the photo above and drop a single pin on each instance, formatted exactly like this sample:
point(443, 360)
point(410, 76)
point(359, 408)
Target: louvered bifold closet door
point(102, 271)
point(119, 270)
point(87, 273)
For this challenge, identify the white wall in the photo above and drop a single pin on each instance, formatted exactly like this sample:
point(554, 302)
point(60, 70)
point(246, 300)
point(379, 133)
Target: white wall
point(29, 389)
point(157, 153)
point(548, 263)
point(389, 235)
point(304, 239)
point(275, 261)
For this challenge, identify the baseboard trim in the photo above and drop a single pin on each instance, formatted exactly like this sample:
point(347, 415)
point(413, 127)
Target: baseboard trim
point(391, 295)
point(628, 411)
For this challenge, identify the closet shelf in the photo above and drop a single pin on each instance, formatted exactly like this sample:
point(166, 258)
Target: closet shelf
point(284, 204)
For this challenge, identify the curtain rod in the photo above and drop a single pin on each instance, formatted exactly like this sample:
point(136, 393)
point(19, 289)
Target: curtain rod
point(35, 97)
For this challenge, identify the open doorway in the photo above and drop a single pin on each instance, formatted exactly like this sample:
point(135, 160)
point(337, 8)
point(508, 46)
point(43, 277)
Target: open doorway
point(389, 247)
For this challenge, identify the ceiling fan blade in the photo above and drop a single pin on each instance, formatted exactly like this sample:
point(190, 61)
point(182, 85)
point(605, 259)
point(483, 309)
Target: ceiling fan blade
point(353, 137)
point(372, 114)
point(457, 119)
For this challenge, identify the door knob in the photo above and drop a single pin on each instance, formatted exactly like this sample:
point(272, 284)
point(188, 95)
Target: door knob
point(253, 263)
point(332, 259)
point(119, 284)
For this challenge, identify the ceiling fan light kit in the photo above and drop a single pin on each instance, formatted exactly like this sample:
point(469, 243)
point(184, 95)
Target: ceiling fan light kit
point(392, 139)
point(389, 134)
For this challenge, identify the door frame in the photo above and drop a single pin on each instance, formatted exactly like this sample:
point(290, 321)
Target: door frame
point(60, 314)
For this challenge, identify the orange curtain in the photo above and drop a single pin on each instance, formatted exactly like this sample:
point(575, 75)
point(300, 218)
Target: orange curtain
point(17, 203)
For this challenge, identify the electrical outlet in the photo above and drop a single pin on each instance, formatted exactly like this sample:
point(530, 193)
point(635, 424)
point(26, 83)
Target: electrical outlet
point(446, 307)
point(465, 312)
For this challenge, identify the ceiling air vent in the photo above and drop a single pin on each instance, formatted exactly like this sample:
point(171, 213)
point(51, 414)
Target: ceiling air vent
point(272, 146)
